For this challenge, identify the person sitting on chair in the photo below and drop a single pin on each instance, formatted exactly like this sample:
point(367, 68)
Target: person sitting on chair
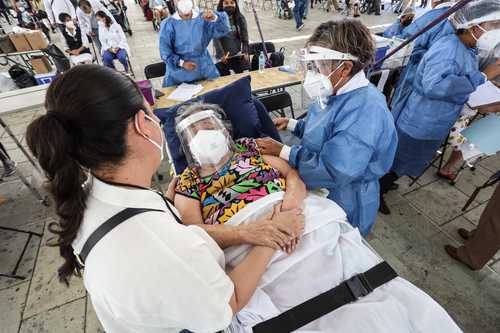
point(114, 43)
point(232, 49)
point(159, 8)
point(76, 47)
point(184, 38)
point(397, 29)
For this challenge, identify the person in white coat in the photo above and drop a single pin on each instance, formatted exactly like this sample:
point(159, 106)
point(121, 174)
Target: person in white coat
point(55, 7)
point(113, 41)
point(88, 23)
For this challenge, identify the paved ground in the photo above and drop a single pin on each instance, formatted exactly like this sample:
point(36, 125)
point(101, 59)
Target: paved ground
point(425, 217)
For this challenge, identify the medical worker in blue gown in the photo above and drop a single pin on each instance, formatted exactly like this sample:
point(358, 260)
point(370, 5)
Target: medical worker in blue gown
point(421, 45)
point(184, 38)
point(399, 28)
point(348, 139)
point(445, 78)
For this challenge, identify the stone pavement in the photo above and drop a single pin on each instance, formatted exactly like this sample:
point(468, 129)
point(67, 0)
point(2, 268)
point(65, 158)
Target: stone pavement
point(425, 217)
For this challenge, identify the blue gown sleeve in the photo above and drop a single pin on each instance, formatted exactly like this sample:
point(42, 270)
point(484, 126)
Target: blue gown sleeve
point(219, 28)
point(299, 128)
point(393, 30)
point(342, 160)
point(445, 81)
point(167, 52)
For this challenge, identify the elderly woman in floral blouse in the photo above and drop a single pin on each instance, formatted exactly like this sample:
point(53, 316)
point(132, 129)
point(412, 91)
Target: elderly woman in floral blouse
point(224, 176)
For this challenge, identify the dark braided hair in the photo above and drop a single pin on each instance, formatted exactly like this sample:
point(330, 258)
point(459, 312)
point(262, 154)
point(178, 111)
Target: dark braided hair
point(89, 109)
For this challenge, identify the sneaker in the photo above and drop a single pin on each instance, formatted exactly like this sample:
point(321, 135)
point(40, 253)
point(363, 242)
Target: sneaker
point(301, 27)
point(9, 170)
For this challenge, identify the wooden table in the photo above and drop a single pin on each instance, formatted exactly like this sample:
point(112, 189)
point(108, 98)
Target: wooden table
point(272, 78)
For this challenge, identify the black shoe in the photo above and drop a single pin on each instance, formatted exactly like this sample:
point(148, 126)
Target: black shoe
point(377, 14)
point(383, 208)
point(304, 18)
point(10, 169)
point(465, 234)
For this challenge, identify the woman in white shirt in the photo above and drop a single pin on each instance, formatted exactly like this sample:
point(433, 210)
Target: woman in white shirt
point(99, 151)
point(113, 41)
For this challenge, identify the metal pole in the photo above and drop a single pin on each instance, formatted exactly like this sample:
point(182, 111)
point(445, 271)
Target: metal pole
point(19, 145)
point(266, 55)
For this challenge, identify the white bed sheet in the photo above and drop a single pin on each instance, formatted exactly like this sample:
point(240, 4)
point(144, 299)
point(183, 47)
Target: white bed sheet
point(330, 252)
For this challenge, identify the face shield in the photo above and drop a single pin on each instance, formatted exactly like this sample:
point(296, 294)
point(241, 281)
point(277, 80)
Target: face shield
point(204, 139)
point(476, 13)
point(318, 65)
point(487, 58)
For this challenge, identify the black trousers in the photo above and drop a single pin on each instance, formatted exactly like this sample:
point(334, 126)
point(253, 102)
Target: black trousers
point(374, 7)
point(4, 157)
point(238, 65)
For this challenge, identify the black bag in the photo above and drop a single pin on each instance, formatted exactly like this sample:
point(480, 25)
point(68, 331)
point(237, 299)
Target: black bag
point(22, 77)
point(60, 60)
point(278, 58)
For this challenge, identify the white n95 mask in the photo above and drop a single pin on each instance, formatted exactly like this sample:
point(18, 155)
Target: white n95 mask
point(488, 41)
point(317, 85)
point(185, 6)
point(209, 146)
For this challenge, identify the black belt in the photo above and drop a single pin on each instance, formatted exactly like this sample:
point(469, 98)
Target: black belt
point(347, 292)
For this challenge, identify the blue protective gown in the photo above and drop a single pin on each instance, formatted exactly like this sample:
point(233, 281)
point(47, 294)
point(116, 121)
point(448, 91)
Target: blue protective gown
point(421, 45)
point(346, 148)
point(446, 76)
point(188, 40)
point(397, 30)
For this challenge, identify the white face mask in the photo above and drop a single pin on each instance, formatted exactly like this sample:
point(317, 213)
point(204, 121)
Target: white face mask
point(185, 7)
point(318, 85)
point(488, 41)
point(209, 146)
point(100, 23)
point(159, 146)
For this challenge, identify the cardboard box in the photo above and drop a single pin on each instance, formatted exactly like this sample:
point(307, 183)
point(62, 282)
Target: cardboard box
point(41, 64)
point(37, 39)
point(6, 45)
point(20, 42)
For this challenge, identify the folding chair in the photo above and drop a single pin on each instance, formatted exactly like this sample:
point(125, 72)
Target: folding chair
point(278, 102)
point(439, 156)
point(495, 178)
point(155, 70)
point(386, 81)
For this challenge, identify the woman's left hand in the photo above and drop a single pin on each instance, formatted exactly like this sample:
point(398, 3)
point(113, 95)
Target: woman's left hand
point(268, 146)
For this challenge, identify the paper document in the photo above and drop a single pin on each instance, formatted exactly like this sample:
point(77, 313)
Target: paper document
point(485, 94)
point(185, 92)
point(484, 134)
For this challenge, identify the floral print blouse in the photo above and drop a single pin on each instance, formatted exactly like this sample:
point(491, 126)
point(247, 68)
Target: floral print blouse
point(244, 179)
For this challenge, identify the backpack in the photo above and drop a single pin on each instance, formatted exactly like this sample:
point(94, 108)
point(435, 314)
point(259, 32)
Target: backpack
point(22, 77)
point(60, 60)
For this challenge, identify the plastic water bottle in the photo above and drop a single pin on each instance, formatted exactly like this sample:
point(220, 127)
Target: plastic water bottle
point(294, 62)
point(262, 62)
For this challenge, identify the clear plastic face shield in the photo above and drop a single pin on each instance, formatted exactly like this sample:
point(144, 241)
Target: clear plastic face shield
point(317, 65)
point(490, 55)
point(205, 140)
